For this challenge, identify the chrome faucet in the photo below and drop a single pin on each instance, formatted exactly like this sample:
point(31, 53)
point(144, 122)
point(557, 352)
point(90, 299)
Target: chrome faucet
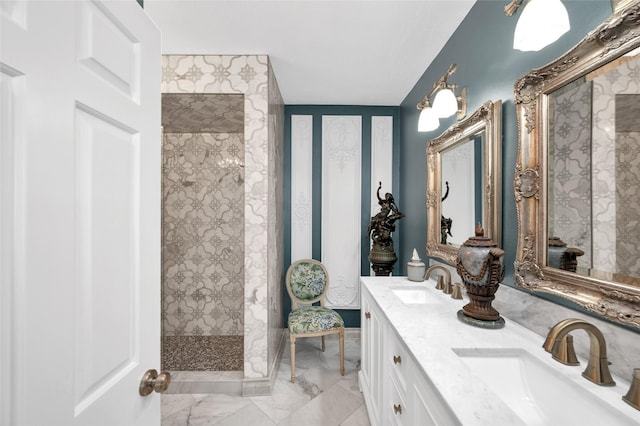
point(598, 367)
point(446, 286)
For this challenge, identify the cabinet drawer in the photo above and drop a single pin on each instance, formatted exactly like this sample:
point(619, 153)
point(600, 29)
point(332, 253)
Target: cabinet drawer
point(398, 361)
point(396, 407)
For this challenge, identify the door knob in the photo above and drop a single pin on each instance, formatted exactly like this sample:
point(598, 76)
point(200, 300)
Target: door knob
point(152, 381)
point(367, 315)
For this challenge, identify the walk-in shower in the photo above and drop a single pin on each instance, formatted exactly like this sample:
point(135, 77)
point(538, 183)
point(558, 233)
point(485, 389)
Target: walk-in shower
point(203, 232)
point(231, 271)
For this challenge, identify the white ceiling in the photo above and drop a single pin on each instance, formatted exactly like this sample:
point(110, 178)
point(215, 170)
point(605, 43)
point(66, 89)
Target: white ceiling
point(323, 52)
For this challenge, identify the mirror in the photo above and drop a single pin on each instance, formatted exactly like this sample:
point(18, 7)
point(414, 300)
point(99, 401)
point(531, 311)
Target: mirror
point(577, 175)
point(463, 183)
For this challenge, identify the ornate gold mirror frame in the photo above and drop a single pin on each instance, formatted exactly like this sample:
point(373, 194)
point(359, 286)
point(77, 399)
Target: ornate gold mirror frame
point(615, 301)
point(486, 120)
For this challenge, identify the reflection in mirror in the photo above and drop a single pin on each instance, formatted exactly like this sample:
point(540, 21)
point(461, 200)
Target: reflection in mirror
point(594, 172)
point(463, 178)
point(463, 199)
point(577, 174)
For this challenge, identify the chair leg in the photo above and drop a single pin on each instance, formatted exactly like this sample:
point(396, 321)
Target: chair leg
point(293, 358)
point(322, 343)
point(342, 352)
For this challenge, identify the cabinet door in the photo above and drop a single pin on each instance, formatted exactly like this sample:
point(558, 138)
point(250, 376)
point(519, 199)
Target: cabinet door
point(427, 406)
point(371, 357)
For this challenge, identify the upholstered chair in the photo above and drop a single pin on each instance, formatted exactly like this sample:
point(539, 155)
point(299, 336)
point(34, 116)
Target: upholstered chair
point(307, 282)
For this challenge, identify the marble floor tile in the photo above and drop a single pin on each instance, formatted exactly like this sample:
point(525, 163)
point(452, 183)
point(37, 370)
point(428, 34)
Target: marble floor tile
point(319, 397)
point(357, 418)
point(171, 403)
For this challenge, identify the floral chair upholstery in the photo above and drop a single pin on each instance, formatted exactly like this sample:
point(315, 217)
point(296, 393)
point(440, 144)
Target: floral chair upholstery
point(307, 283)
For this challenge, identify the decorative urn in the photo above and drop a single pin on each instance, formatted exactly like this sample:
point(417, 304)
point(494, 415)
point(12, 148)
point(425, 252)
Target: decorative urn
point(480, 264)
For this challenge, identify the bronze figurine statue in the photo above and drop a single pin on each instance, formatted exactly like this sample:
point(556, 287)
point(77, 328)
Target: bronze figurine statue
point(445, 222)
point(382, 255)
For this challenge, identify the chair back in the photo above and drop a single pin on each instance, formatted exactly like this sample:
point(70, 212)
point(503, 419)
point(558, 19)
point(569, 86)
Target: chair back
point(307, 282)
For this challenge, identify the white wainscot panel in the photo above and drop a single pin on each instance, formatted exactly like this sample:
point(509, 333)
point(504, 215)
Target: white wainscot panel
point(381, 161)
point(341, 195)
point(301, 186)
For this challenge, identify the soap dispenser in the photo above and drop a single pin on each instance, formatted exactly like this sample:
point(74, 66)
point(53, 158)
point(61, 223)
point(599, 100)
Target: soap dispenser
point(415, 268)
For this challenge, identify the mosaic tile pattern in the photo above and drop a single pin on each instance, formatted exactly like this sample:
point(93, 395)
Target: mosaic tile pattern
point(628, 183)
point(570, 169)
point(202, 229)
point(628, 203)
point(594, 175)
point(250, 76)
point(610, 196)
point(202, 353)
point(202, 113)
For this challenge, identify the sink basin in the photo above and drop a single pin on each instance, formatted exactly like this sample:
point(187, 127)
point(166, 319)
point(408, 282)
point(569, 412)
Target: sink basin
point(535, 391)
point(411, 295)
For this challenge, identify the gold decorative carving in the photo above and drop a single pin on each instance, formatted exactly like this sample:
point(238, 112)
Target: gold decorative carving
point(527, 183)
point(432, 199)
point(615, 301)
point(622, 312)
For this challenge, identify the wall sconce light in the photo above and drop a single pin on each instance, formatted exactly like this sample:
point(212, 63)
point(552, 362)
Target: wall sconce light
point(541, 23)
point(445, 103)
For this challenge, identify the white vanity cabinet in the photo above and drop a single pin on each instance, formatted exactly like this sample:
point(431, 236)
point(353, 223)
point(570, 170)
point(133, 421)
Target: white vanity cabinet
point(421, 365)
point(371, 352)
point(395, 389)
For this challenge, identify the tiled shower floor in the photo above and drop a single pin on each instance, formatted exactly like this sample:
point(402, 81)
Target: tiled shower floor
point(202, 353)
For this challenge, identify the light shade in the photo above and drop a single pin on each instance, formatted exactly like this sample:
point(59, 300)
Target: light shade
point(445, 103)
point(541, 23)
point(427, 120)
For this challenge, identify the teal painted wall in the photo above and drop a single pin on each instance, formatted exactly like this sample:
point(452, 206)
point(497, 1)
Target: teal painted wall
point(488, 67)
point(351, 316)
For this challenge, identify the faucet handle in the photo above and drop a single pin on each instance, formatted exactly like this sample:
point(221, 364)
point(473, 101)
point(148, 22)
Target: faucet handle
point(457, 291)
point(633, 396)
point(566, 354)
point(440, 284)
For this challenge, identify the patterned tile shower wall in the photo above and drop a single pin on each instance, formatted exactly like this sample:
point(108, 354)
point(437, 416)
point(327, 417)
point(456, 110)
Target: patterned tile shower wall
point(593, 198)
point(628, 201)
point(276, 217)
point(203, 229)
point(249, 76)
point(570, 168)
point(615, 193)
point(628, 180)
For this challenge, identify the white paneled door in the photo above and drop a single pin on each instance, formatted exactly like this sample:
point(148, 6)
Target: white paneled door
point(80, 213)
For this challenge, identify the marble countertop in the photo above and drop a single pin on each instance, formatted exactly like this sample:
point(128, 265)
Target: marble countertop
point(431, 331)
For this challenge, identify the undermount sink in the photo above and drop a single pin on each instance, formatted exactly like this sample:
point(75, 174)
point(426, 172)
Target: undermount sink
point(536, 392)
point(411, 295)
